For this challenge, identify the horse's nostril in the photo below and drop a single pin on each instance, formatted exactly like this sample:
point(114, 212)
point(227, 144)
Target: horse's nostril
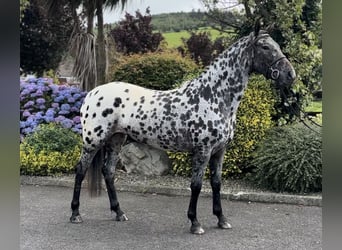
point(291, 75)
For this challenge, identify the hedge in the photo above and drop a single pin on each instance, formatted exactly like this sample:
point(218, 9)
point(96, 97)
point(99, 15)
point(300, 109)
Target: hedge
point(159, 71)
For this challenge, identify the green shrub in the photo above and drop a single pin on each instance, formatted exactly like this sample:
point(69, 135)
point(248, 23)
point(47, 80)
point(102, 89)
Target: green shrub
point(153, 70)
point(50, 150)
point(181, 163)
point(289, 159)
point(254, 118)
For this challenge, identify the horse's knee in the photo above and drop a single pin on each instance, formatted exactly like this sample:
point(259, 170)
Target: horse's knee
point(215, 184)
point(196, 186)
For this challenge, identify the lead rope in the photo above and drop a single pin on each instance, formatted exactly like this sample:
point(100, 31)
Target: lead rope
point(299, 116)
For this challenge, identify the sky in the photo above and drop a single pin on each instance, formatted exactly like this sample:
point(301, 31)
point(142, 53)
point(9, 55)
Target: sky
point(156, 7)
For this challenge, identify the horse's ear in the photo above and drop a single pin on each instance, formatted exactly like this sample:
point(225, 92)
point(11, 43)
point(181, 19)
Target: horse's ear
point(270, 28)
point(257, 27)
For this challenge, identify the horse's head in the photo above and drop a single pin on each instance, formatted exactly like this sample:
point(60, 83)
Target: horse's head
point(269, 60)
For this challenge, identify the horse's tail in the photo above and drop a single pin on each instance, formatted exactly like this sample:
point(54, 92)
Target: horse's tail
point(95, 173)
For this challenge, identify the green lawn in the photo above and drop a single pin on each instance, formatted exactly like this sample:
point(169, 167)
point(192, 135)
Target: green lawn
point(315, 106)
point(174, 39)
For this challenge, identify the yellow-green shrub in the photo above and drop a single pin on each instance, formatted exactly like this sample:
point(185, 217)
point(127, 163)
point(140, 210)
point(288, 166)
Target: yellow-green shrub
point(47, 162)
point(153, 70)
point(50, 150)
point(254, 118)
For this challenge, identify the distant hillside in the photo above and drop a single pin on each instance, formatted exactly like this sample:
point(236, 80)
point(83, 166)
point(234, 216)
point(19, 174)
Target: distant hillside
point(175, 26)
point(174, 22)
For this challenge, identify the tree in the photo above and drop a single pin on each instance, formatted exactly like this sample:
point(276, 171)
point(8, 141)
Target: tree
point(200, 47)
point(43, 39)
point(134, 34)
point(89, 50)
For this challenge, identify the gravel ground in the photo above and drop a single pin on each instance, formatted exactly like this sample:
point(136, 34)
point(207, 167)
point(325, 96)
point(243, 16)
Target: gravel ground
point(228, 185)
point(162, 184)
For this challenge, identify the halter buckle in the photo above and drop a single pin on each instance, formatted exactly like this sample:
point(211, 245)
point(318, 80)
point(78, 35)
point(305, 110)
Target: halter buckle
point(274, 73)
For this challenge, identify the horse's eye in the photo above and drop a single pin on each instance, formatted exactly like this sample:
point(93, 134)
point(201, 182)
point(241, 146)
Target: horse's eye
point(265, 47)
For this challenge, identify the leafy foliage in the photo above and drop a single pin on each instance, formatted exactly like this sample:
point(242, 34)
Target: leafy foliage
point(23, 6)
point(51, 149)
point(134, 34)
point(202, 49)
point(159, 71)
point(43, 40)
point(254, 118)
point(52, 137)
point(289, 159)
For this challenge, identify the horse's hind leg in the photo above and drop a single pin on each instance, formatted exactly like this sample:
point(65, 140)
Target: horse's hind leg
point(113, 147)
point(81, 169)
point(215, 165)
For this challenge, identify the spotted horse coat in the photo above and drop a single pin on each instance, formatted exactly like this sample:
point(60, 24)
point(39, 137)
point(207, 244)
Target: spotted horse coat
point(199, 117)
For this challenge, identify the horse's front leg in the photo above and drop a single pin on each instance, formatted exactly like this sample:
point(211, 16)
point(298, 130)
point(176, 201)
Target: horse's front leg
point(199, 162)
point(215, 165)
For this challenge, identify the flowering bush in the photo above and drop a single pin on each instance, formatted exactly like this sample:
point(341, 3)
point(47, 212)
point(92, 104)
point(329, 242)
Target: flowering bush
point(41, 101)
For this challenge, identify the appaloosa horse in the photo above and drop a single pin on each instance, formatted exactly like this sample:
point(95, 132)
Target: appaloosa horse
point(199, 117)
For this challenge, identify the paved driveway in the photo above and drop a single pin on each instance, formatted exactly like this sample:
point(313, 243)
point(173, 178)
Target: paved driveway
point(160, 222)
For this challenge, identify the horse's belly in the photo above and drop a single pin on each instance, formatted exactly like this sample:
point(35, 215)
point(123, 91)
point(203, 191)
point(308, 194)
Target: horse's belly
point(162, 139)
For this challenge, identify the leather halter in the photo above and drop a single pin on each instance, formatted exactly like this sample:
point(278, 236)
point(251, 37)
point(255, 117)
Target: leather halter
point(274, 73)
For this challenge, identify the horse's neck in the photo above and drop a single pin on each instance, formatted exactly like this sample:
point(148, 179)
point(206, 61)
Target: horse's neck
point(226, 77)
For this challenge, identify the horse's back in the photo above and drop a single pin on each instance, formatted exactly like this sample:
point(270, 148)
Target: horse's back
point(111, 108)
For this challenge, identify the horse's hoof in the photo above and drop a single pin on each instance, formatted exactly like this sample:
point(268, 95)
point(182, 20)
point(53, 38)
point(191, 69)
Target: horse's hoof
point(224, 225)
point(76, 219)
point(196, 229)
point(122, 217)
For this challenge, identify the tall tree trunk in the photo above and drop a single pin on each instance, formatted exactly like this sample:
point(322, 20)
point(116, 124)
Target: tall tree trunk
point(90, 10)
point(101, 49)
point(247, 9)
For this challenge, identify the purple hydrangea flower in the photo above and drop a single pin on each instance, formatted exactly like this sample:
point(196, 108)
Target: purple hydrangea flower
point(39, 92)
point(40, 101)
point(77, 119)
point(55, 105)
point(29, 104)
point(67, 123)
point(59, 99)
point(71, 100)
point(59, 118)
point(50, 112)
point(26, 113)
point(65, 107)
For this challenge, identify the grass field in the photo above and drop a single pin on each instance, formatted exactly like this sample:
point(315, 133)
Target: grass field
point(315, 106)
point(174, 39)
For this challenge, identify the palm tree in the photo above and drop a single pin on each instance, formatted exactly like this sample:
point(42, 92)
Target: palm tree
point(89, 50)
